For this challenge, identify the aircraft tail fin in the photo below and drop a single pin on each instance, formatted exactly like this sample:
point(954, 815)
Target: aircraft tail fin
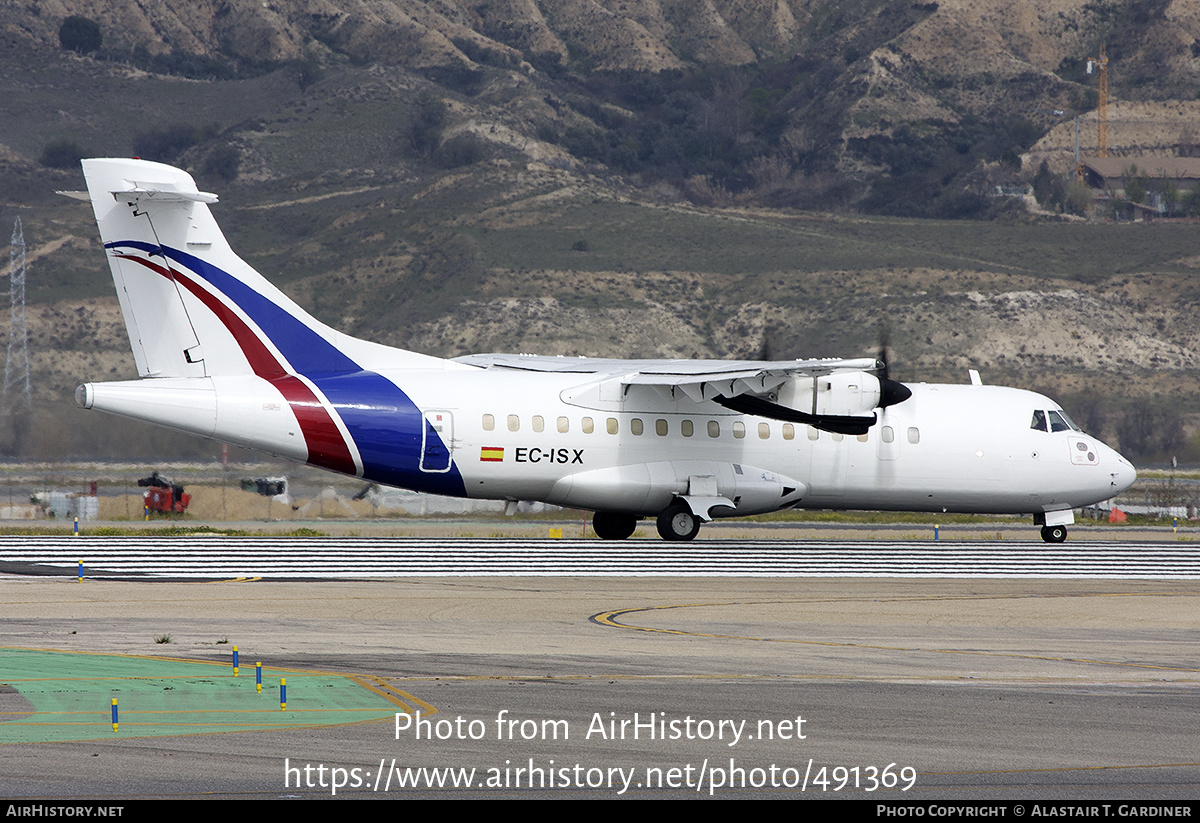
point(192, 307)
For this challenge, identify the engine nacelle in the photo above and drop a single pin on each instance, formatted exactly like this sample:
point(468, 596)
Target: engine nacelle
point(841, 394)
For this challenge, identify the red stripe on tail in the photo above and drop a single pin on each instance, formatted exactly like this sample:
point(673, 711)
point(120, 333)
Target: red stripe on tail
point(326, 446)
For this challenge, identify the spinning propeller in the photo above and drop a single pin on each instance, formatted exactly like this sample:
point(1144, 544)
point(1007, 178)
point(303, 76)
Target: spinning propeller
point(891, 391)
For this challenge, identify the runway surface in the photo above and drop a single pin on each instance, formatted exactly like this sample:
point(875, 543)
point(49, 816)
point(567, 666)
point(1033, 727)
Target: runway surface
point(771, 682)
point(340, 557)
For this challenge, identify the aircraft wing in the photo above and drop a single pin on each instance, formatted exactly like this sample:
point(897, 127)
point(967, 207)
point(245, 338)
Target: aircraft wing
point(787, 390)
point(709, 380)
point(698, 379)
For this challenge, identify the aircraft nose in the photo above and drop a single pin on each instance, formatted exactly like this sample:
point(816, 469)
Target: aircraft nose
point(1122, 471)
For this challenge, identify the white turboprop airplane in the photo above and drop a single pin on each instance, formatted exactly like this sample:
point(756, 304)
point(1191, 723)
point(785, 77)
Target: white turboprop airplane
point(224, 354)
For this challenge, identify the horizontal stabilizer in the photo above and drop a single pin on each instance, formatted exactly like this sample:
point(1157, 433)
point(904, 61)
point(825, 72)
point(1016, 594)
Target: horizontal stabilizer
point(164, 195)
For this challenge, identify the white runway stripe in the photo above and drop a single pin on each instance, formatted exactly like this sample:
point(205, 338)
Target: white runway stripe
point(328, 557)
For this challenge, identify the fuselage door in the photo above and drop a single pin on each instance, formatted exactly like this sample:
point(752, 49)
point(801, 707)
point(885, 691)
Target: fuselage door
point(437, 441)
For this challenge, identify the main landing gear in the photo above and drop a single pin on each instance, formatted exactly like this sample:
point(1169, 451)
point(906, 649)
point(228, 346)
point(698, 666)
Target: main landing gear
point(613, 525)
point(677, 522)
point(1054, 534)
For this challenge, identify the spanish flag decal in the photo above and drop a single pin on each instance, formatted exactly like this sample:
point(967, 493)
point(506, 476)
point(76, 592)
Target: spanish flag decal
point(491, 454)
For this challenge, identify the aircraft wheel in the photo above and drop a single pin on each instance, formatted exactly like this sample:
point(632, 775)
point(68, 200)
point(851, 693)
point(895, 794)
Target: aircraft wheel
point(1054, 534)
point(613, 525)
point(678, 523)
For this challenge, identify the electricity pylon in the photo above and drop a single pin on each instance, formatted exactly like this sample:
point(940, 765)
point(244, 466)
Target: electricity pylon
point(17, 393)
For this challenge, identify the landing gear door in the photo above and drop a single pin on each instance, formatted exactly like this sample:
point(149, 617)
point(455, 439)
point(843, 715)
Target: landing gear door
point(437, 441)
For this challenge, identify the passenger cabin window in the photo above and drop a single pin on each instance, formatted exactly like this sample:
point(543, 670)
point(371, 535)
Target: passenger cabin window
point(489, 422)
point(538, 423)
point(739, 430)
point(714, 428)
point(588, 427)
point(914, 436)
point(764, 431)
point(612, 425)
point(563, 425)
point(814, 433)
point(686, 429)
point(635, 426)
point(514, 423)
point(887, 434)
point(660, 427)
point(789, 431)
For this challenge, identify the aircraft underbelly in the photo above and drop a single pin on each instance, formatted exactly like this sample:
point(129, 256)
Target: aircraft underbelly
point(726, 488)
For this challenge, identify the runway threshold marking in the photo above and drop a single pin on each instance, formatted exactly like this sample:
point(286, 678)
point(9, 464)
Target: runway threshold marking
point(240, 558)
point(609, 619)
point(165, 696)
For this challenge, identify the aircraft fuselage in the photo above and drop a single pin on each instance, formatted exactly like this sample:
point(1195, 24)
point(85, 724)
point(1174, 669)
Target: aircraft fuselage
point(496, 433)
point(223, 353)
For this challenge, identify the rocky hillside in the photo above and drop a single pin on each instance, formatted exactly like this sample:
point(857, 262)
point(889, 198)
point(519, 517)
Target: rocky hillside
point(629, 178)
point(970, 43)
point(819, 85)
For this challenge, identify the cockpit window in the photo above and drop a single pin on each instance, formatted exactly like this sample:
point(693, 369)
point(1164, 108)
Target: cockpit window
point(1059, 422)
point(1067, 420)
point(1055, 420)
